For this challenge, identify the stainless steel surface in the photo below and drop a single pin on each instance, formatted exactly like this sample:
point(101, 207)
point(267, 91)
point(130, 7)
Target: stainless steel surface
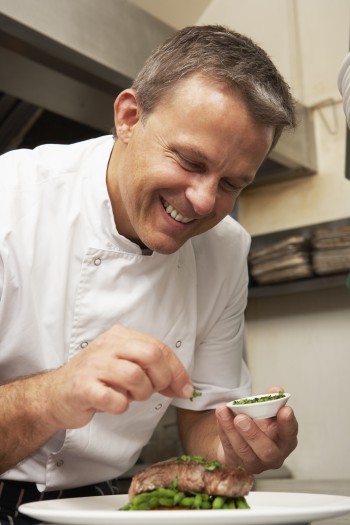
point(73, 58)
point(337, 487)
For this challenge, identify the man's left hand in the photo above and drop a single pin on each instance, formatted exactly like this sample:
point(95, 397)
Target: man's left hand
point(256, 445)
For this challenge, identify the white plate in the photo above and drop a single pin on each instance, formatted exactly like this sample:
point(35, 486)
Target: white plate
point(267, 508)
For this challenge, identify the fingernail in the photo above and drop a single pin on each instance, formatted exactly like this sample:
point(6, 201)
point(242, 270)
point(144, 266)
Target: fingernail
point(243, 423)
point(187, 390)
point(288, 412)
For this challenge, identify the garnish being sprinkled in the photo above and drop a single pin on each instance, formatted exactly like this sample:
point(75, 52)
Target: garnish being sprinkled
point(195, 393)
point(208, 465)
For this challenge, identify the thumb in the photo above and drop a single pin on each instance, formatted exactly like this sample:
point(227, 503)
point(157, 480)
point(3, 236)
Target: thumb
point(274, 390)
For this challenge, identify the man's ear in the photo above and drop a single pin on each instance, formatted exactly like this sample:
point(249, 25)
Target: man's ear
point(126, 114)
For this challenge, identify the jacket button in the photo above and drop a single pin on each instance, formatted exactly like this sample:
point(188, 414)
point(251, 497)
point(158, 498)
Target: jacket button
point(178, 344)
point(60, 463)
point(97, 261)
point(84, 344)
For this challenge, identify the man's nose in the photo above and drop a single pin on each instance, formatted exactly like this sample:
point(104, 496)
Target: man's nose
point(202, 194)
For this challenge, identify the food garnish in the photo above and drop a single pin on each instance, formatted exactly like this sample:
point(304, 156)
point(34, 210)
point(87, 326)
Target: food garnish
point(195, 393)
point(259, 399)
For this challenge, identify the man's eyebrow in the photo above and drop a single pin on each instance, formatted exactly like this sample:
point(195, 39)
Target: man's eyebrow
point(194, 152)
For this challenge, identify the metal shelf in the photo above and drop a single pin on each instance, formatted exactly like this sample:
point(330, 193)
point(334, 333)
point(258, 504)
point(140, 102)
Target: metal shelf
point(301, 286)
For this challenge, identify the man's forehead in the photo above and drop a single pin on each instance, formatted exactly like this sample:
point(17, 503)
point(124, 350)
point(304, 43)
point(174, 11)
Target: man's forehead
point(198, 80)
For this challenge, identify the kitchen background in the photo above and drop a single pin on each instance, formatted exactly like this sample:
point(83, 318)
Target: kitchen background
point(62, 64)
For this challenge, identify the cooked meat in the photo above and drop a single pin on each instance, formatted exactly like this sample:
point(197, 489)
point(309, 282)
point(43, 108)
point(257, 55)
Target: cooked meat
point(190, 475)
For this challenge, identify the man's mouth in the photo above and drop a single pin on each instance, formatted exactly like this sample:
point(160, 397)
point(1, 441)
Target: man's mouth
point(174, 213)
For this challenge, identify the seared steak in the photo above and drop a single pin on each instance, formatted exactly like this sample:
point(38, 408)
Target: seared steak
point(188, 474)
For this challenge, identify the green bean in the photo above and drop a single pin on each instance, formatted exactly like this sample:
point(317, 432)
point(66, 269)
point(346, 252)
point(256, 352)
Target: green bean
point(179, 496)
point(143, 506)
point(139, 498)
point(166, 502)
point(165, 493)
point(153, 502)
point(218, 502)
point(162, 497)
point(187, 501)
point(197, 501)
point(241, 503)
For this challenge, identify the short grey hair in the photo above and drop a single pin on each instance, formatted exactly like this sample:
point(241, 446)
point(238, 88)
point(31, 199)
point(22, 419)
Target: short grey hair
point(223, 54)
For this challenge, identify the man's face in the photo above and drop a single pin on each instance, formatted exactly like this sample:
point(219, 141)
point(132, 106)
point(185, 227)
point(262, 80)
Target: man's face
point(179, 172)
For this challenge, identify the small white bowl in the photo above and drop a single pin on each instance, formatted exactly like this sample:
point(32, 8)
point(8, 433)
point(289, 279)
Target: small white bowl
point(259, 409)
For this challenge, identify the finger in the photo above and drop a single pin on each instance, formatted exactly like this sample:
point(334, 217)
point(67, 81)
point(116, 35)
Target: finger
point(266, 449)
point(106, 399)
point(158, 360)
point(287, 428)
point(120, 344)
point(180, 384)
point(166, 372)
point(164, 369)
point(82, 401)
point(129, 377)
point(274, 390)
point(120, 374)
point(236, 450)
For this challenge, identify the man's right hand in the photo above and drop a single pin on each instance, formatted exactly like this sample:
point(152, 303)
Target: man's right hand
point(119, 366)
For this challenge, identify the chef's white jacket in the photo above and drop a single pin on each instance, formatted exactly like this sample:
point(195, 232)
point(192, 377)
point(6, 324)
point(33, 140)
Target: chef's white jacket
point(66, 275)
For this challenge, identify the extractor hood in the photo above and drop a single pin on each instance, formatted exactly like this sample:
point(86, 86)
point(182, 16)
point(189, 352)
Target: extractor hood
point(46, 84)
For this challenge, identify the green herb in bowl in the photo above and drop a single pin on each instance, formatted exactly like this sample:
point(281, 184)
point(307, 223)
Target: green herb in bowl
point(258, 399)
point(260, 406)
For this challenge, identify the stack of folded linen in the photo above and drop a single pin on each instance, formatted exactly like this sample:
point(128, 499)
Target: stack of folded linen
point(285, 260)
point(331, 250)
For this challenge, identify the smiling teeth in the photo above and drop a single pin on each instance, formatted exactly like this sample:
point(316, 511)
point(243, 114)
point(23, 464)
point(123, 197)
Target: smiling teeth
point(175, 214)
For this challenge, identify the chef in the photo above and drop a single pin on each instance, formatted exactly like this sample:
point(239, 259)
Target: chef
point(123, 278)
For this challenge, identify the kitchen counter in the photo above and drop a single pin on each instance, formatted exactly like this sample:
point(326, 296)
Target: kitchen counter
point(337, 487)
point(333, 487)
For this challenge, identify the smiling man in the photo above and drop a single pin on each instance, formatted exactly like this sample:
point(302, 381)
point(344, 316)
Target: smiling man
point(123, 278)
point(190, 158)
